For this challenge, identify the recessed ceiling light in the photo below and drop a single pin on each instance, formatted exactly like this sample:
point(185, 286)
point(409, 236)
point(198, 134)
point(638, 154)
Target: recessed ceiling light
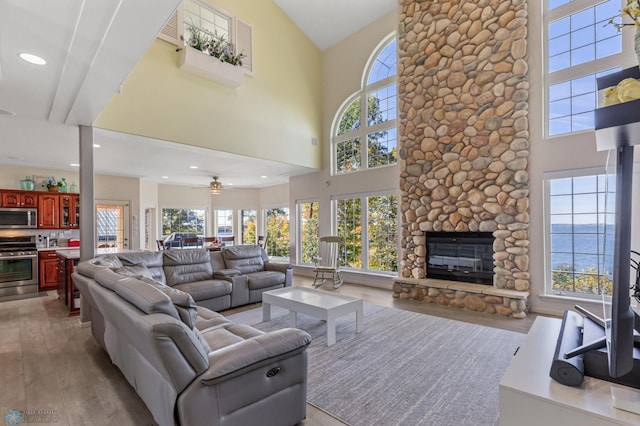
point(165, 177)
point(95, 145)
point(32, 59)
point(6, 112)
point(263, 177)
point(229, 184)
point(194, 167)
point(75, 164)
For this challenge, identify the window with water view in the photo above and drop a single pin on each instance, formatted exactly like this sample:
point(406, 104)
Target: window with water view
point(580, 231)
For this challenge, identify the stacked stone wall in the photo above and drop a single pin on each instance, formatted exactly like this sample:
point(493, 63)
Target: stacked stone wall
point(463, 129)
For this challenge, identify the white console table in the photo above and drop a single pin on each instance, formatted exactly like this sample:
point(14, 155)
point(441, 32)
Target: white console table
point(528, 396)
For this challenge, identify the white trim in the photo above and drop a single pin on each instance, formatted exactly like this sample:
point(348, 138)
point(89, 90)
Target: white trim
point(561, 174)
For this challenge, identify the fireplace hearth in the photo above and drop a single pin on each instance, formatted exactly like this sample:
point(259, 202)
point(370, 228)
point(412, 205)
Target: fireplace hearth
point(460, 256)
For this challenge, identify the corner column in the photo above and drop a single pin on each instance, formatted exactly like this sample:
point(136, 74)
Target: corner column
point(87, 209)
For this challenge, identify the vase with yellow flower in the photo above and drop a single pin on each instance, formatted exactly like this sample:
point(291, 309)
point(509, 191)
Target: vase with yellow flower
point(631, 11)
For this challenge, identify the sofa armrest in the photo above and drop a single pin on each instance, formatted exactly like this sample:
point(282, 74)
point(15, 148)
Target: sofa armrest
point(249, 354)
point(280, 267)
point(222, 273)
point(285, 268)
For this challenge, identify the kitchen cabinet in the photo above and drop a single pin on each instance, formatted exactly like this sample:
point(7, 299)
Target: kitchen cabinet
point(48, 211)
point(48, 269)
point(69, 211)
point(19, 199)
point(67, 290)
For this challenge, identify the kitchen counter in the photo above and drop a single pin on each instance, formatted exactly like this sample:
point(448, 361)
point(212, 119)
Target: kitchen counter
point(74, 252)
point(69, 254)
point(56, 248)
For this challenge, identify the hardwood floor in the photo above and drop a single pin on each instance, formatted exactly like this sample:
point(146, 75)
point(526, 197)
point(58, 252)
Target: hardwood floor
point(51, 365)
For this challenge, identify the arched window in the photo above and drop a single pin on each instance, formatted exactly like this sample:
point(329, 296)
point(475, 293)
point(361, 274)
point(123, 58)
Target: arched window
point(369, 118)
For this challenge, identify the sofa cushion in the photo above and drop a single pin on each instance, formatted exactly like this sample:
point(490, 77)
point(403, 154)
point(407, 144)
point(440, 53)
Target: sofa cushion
point(264, 279)
point(185, 266)
point(228, 334)
point(151, 259)
point(145, 297)
point(208, 289)
point(207, 318)
point(245, 258)
point(183, 302)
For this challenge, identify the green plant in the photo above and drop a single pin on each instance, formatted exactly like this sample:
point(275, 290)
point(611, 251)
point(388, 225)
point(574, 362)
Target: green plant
point(213, 45)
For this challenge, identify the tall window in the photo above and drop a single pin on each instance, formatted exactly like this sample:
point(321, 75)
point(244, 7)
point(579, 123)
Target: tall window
point(277, 225)
point(183, 220)
point(580, 46)
point(369, 228)
point(248, 231)
point(370, 119)
point(580, 231)
point(224, 223)
point(308, 228)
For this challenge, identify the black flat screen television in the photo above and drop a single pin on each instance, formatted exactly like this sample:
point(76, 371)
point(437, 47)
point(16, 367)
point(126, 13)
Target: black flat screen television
point(603, 347)
point(620, 329)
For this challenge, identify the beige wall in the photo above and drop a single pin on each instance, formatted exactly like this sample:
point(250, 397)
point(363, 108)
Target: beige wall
point(343, 66)
point(273, 115)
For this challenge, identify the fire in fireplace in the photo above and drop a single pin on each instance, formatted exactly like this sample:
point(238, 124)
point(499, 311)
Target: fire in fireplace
point(460, 256)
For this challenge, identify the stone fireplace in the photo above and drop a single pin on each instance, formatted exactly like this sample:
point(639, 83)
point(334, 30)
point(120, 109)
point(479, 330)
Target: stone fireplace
point(464, 145)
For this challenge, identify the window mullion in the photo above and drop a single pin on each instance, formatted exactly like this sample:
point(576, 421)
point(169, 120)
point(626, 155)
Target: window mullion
point(364, 144)
point(364, 233)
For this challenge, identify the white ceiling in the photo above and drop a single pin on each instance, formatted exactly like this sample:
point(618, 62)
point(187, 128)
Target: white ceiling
point(326, 22)
point(84, 43)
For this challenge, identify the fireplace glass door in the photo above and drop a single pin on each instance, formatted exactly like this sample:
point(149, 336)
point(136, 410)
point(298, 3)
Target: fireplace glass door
point(460, 256)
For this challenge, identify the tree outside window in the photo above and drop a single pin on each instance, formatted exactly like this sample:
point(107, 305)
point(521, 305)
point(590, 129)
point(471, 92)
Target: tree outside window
point(379, 101)
point(249, 234)
point(369, 228)
point(277, 225)
point(183, 220)
point(309, 230)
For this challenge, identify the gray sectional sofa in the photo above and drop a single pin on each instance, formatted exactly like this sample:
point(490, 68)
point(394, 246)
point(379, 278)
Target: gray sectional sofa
point(220, 280)
point(189, 364)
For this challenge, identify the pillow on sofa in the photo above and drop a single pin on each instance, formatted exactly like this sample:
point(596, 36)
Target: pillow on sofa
point(109, 260)
point(145, 297)
point(183, 302)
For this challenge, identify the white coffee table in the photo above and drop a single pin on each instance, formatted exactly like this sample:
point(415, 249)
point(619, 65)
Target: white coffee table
point(316, 303)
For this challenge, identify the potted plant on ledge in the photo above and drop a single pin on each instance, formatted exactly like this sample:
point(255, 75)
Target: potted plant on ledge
point(211, 56)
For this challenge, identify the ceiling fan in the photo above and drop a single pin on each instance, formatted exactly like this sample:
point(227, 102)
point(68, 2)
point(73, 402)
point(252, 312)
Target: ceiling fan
point(215, 186)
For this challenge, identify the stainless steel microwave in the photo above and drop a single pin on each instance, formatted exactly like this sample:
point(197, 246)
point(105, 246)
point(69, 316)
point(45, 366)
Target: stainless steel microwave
point(14, 218)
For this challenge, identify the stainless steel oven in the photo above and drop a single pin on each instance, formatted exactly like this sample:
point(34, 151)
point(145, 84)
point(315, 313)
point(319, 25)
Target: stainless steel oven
point(18, 265)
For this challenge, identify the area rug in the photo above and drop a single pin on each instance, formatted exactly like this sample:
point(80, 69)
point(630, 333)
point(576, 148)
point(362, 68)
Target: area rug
point(405, 368)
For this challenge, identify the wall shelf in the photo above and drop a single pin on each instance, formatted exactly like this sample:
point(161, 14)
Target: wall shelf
point(209, 67)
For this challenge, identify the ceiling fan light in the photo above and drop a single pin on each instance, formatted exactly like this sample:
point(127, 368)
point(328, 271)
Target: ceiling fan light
point(215, 187)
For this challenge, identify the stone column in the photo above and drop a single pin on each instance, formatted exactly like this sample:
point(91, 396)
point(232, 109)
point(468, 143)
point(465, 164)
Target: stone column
point(463, 129)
